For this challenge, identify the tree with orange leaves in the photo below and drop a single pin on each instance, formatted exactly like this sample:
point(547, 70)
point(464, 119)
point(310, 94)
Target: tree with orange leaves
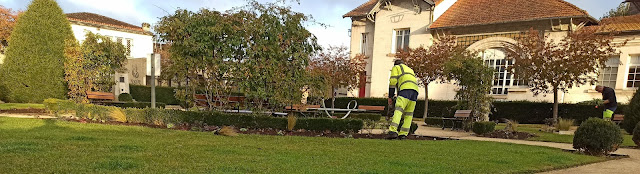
point(337, 70)
point(428, 63)
point(553, 67)
point(8, 20)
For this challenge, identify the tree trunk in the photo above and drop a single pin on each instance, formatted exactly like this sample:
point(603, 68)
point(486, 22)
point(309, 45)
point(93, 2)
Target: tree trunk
point(555, 104)
point(426, 101)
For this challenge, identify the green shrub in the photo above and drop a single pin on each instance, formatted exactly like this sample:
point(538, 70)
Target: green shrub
point(57, 106)
point(125, 97)
point(163, 94)
point(632, 116)
point(636, 134)
point(367, 116)
point(483, 127)
point(33, 69)
point(597, 137)
point(140, 105)
point(565, 124)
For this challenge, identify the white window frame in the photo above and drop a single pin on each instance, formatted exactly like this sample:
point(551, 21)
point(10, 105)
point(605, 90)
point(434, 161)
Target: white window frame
point(128, 46)
point(501, 86)
point(406, 33)
point(363, 43)
point(634, 78)
point(609, 73)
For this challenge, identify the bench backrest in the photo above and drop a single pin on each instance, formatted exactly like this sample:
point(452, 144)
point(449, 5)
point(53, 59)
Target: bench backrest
point(462, 114)
point(618, 117)
point(301, 107)
point(371, 108)
point(100, 95)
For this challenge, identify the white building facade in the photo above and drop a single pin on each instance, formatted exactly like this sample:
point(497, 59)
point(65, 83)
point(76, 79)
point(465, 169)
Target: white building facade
point(380, 27)
point(138, 41)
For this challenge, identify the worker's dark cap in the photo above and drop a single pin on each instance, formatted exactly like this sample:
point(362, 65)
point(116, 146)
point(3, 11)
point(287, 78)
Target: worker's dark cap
point(398, 62)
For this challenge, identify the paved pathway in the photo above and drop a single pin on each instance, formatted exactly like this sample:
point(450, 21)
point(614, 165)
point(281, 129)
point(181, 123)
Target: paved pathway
point(629, 165)
point(43, 116)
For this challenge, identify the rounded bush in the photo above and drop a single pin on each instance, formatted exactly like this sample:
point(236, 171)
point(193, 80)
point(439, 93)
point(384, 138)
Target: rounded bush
point(597, 137)
point(483, 127)
point(632, 113)
point(636, 134)
point(124, 97)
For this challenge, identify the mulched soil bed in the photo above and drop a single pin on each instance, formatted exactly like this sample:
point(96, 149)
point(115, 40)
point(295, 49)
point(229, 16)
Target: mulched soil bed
point(24, 111)
point(273, 132)
point(504, 134)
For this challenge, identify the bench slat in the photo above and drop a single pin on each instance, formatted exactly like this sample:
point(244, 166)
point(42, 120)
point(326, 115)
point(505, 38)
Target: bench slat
point(371, 108)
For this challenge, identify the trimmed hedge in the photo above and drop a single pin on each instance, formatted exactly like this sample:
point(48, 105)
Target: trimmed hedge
point(33, 69)
point(163, 94)
point(632, 117)
point(164, 117)
point(597, 137)
point(366, 116)
point(481, 128)
point(522, 111)
point(139, 105)
point(124, 97)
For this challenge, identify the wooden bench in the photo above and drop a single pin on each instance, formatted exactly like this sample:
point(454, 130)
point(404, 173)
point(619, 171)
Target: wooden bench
point(459, 116)
point(375, 109)
point(100, 96)
point(617, 118)
point(201, 100)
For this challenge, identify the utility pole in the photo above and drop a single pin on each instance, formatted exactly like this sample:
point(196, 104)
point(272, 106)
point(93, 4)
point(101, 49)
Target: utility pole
point(153, 80)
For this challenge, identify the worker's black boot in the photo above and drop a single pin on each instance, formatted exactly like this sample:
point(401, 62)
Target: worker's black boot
point(392, 136)
point(402, 137)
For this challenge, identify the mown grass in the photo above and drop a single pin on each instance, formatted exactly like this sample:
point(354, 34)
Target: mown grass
point(558, 138)
point(50, 146)
point(7, 106)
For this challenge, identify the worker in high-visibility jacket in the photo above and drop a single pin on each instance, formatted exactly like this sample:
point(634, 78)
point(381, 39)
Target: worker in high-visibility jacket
point(404, 80)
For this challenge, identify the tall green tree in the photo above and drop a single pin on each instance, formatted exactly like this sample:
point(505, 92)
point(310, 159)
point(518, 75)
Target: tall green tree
point(92, 65)
point(33, 69)
point(622, 10)
point(474, 81)
point(632, 113)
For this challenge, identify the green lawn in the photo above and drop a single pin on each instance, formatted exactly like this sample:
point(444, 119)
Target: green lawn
point(37, 146)
point(6, 106)
point(552, 137)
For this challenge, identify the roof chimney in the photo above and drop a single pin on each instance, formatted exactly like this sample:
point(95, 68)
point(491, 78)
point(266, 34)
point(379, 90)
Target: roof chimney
point(146, 26)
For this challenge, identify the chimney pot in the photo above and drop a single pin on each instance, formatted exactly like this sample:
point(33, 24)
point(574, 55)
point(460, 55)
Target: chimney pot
point(146, 26)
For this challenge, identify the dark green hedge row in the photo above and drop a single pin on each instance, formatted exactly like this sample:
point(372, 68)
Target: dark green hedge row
point(366, 116)
point(150, 116)
point(139, 105)
point(437, 108)
point(163, 94)
point(521, 111)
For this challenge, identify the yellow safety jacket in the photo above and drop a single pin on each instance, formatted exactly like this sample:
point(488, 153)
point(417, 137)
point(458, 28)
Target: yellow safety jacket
point(402, 77)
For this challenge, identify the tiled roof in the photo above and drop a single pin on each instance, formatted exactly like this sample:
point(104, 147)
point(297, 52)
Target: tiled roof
point(362, 10)
point(101, 20)
point(621, 24)
point(481, 12)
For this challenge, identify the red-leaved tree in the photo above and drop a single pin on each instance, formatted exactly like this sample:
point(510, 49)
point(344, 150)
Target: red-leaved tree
point(556, 66)
point(8, 20)
point(428, 63)
point(337, 70)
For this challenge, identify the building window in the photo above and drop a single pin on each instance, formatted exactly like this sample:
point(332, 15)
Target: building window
point(634, 72)
point(128, 47)
point(119, 40)
point(502, 78)
point(363, 44)
point(121, 79)
point(609, 73)
point(401, 40)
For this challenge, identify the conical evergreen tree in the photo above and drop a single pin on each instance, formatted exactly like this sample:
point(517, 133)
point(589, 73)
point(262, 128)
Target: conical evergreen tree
point(632, 113)
point(34, 67)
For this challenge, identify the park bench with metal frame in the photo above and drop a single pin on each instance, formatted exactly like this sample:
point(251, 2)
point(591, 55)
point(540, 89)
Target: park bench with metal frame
point(460, 116)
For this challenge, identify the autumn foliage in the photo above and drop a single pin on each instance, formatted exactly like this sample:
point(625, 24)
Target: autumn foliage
point(556, 66)
point(337, 70)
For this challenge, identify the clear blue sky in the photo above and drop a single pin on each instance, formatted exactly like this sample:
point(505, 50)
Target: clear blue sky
point(325, 11)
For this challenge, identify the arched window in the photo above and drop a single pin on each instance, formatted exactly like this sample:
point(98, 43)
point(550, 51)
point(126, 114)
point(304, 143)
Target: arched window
point(502, 78)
